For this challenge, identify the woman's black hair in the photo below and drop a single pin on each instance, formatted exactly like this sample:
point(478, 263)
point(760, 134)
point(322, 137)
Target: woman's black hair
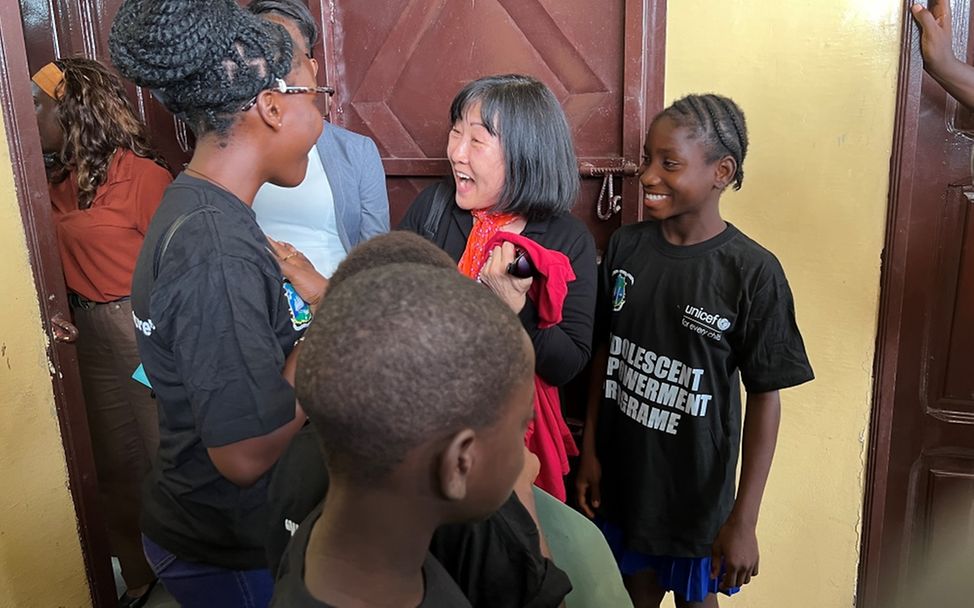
point(294, 10)
point(541, 177)
point(203, 59)
point(718, 121)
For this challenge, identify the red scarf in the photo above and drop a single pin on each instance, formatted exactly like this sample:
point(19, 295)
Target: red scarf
point(485, 225)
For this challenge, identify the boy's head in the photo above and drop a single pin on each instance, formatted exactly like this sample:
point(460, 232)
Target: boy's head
point(719, 125)
point(419, 382)
point(396, 247)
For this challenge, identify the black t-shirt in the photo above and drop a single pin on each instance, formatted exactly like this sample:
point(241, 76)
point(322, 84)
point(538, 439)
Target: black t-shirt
point(291, 592)
point(563, 350)
point(497, 562)
point(684, 325)
point(213, 329)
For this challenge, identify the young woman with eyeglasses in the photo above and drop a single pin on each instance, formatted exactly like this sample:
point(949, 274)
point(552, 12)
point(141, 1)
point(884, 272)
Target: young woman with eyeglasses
point(342, 200)
point(217, 325)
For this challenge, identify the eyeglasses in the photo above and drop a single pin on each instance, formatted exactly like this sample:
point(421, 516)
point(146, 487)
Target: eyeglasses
point(282, 87)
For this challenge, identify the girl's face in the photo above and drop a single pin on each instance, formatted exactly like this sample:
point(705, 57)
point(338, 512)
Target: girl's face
point(52, 138)
point(676, 177)
point(477, 159)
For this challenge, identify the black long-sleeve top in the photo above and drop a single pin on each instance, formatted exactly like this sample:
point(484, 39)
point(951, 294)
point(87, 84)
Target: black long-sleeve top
point(560, 351)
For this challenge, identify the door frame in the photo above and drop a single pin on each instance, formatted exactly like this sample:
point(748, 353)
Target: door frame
point(23, 141)
point(891, 306)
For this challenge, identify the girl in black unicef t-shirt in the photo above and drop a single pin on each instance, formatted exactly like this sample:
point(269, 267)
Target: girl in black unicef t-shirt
point(689, 307)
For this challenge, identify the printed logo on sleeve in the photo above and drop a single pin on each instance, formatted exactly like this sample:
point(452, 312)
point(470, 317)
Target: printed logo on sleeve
point(301, 314)
point(711, 325)
point(620, 281)
point(144, 327)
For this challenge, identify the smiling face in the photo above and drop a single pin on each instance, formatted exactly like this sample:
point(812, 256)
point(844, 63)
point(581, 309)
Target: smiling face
point(477, 159)
point(676, 177)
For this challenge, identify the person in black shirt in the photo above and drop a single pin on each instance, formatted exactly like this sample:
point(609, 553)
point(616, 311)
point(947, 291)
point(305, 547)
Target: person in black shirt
point(496, 562)
point(689, 307)
point(424, 429)
point(215, 321)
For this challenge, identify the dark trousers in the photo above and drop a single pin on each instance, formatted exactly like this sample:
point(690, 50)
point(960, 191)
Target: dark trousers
point(196, 585)
point(124, 426)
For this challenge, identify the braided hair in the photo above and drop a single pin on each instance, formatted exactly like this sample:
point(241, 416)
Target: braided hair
point(203, 60)
point(97, 118)
point(719, 122)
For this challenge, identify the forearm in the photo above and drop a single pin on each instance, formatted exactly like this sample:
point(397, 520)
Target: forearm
point(245, 462)
point(957, 78)
point(761, 420)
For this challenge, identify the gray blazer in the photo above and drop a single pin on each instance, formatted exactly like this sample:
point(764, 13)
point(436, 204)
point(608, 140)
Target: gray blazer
point(358, 184)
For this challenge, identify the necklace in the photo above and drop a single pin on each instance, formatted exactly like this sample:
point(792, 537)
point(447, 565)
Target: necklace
point(208, 178)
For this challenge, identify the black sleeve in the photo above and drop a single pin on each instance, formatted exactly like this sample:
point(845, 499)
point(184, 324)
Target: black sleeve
point(227, 352)
point(563, 351)
point(498, 563)
point(772, 353)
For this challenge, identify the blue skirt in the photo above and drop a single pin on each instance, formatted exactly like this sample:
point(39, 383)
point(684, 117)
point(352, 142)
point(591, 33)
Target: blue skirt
point(688, 577)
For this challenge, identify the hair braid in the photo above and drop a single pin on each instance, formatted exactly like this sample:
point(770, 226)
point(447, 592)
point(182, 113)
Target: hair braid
point(719, 122)
point(203, 60)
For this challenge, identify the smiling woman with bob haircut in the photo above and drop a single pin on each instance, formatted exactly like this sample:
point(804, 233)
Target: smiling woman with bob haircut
point(515, 173)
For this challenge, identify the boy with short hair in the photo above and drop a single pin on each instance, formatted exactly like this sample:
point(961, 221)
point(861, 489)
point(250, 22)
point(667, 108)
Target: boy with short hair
point(419, 384)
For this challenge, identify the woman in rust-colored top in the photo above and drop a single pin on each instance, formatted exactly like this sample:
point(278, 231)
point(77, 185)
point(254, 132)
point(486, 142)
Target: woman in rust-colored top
point(105, 184)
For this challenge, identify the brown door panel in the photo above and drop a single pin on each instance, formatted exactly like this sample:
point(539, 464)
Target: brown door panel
point(920, 482)
point(398, 64)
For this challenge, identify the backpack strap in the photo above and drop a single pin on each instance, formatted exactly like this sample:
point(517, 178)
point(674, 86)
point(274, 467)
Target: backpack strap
point(167, 238)
point(441, 199)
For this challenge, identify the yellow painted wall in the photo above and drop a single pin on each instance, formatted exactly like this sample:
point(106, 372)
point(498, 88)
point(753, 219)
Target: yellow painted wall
point(817, 82)
point(40, 553)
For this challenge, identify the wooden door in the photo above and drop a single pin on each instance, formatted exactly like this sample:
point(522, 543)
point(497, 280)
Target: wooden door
point(398, 63)
point(920, 488)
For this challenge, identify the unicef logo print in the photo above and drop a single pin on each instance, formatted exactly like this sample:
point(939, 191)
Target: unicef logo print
point(723, 324)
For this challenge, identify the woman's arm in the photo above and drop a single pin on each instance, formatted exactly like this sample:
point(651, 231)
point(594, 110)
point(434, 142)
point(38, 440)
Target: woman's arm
point(229, 359)
point(244, 462)
point(373, 196)
point(563, 351)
